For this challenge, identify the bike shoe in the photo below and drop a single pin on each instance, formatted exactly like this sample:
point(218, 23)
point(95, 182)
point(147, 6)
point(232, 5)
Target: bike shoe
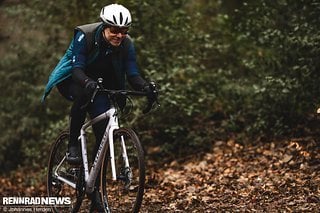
point(96, 203)
point(74, 155)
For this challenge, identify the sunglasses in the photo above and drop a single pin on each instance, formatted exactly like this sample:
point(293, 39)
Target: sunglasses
point(117, 30)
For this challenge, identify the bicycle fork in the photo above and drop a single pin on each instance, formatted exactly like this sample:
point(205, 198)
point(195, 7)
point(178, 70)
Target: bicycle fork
point(111, 149)
point(112, 157)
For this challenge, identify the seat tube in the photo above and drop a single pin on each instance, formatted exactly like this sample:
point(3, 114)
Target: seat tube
point(84, 154)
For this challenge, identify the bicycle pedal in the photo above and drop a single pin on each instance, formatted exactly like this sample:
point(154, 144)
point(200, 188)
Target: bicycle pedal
point(55, 181)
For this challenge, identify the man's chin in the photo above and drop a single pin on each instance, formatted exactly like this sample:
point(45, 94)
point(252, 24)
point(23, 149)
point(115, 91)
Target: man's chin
point(115, 43)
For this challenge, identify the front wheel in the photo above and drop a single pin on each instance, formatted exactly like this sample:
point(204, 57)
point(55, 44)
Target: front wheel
point(126, 193)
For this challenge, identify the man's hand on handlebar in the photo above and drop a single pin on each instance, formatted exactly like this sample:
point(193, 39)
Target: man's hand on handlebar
point(152, 91)
point(152, 95)
point(90, 87)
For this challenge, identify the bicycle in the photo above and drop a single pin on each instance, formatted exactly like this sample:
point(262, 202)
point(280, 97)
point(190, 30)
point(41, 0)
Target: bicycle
point(122, 188)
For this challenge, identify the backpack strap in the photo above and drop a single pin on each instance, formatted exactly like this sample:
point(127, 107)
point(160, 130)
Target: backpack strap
point(91, 32)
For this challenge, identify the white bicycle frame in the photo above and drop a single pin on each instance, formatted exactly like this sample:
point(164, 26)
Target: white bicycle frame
point(112, 125)
point(91, 176)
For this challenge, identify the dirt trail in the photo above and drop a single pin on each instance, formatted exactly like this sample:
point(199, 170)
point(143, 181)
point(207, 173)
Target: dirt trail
point(264, 178)
point(270, 177)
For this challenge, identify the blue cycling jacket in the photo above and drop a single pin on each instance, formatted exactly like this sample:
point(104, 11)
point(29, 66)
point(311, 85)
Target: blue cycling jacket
point(123, 58)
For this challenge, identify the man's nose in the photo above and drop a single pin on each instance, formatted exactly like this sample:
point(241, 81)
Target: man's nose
point(119, 35)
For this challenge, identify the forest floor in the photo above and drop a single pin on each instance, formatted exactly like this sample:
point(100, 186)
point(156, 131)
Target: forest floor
point(261, 177)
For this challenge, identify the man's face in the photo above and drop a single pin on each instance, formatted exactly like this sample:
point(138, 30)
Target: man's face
point(115, 35)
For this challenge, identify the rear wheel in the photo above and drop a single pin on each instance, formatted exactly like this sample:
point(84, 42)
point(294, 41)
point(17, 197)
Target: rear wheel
point(60, 172)
point(126, 193)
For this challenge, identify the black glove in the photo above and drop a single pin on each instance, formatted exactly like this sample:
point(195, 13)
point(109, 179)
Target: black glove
point(152, 91)
point(90, 86)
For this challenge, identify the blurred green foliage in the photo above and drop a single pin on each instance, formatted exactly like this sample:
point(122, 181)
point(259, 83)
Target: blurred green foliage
point(225, 69)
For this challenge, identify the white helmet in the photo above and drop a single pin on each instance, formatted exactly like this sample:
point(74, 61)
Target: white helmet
point(116, 15)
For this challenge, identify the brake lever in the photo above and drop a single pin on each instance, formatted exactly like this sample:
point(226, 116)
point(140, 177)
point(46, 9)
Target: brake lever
point(99, 85)
point(148, 108)
point(94, 93)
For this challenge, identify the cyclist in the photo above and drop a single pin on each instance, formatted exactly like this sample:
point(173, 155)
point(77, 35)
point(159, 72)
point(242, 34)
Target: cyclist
point(114, 61)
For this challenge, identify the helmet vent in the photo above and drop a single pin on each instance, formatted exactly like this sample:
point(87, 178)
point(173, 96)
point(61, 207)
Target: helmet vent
point(114, 19)
point(121, 18)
